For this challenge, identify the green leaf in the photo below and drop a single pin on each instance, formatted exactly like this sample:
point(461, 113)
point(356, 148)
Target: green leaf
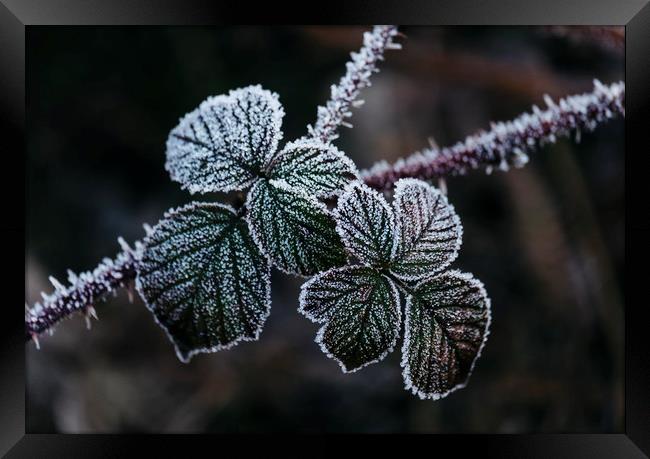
point(317, 168)
point(204, 279)
point(360, 309)
point(293, 229)
point(429, 232)
point(224, 144)
point(447, 322)
point(364, 220)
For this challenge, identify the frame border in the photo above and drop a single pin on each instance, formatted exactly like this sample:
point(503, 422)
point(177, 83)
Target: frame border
point(16, 15)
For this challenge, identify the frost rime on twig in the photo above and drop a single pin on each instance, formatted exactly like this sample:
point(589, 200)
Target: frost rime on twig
point(85, 290)
point(344, 94)
point(506, 144)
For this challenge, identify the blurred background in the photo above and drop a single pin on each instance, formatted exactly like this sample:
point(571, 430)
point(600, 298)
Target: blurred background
point(547, 240)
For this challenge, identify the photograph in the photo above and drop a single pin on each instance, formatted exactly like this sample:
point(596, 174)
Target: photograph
point(325, 229)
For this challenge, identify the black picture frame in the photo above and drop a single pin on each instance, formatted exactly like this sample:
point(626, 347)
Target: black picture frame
point(16, 16)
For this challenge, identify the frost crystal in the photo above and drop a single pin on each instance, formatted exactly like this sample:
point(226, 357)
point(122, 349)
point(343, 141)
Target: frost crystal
point(360, 309)
point(293, 228)
point(224, 144)
point(447, 322)
point(447, 313)
point(204, 279)
point(429, 232)
point(313, 167)
point(365, 222)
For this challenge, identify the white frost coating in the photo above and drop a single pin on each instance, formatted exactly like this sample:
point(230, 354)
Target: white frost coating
point(468, 289)
point(358, 71)
point(428, 231)
point(204, 279)
point(293, 229)
point(365, 222)
point(360, 311)
point(317, 168)
point(452, 308)
point(346, 300)
point(224, 144)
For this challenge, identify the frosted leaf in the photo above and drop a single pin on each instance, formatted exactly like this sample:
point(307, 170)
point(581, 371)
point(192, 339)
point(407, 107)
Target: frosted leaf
point(319, 169)
point(224, 144)
point(204, 279)
point(429, 232)
point(293, 229)
point(364, 220)
point(360, 309)
point(447, 321)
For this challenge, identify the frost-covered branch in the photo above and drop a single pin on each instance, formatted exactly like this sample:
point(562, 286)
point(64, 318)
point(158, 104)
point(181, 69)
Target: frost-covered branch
point(84, 291)
point(343, 96)
point(506, 144)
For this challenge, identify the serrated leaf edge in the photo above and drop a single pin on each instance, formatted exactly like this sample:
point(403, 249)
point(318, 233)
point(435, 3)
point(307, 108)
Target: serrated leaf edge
point(319, 335)
point(347, 191)
point(408, 384)
point(283, 185)
point(306, 142)
point(400, 186)
point(185, 357)
point(231, 97)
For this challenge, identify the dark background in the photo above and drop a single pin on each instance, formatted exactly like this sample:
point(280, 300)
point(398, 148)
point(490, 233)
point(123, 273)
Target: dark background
point(547, 240)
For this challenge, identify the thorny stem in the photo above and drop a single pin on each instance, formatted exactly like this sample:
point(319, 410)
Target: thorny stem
point(503, 146)
point(507, 144)
point(343, 96)
point(84, 291)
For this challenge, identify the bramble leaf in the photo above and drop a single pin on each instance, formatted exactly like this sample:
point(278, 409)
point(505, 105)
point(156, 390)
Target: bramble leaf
point(429, 232)
point(293, 228)
point(446, 326)
point(365, 222)
point(317, 168)
point(360, 309)
point(204, 279)
point(224, 144)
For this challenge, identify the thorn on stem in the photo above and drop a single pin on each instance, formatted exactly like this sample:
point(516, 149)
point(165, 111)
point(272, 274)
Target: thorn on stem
point(147, 229)
point(442, 185)
point(91, 312)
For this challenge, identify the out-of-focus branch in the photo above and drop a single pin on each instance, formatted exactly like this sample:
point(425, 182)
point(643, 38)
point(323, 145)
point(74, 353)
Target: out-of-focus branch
point(343, 96)
point(506, 144)
point(609, 38)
